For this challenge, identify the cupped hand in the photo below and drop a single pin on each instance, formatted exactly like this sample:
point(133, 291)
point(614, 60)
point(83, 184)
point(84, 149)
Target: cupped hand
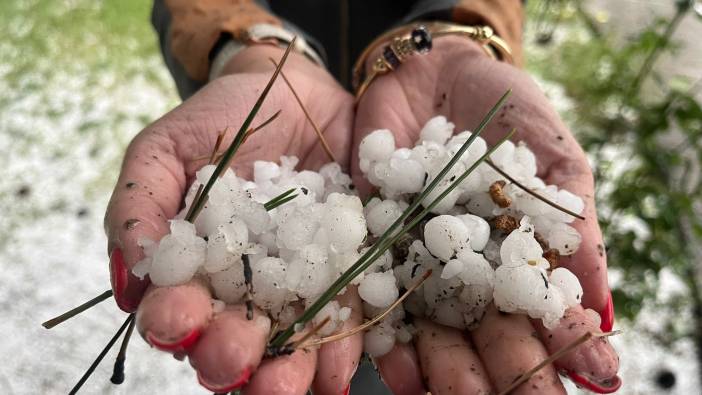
point(457, 80)
point(225, 349)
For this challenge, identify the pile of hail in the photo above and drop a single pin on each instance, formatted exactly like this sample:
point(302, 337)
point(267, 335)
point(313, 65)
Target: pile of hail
point(487, 241)
point(294, 252)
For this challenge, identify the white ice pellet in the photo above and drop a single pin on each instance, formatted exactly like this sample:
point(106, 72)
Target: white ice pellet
point(481, 204)
point(218, 306)
point(437, 129)
point(478, 230)
point(445, 235)
point(376, 146)
point(379, 289)
point(568, 284)
point(179, 255)
point(228, 284)
point(379, 340)
point(449, 312)
point(594, 317)
point(521, 248)
point(344, 313)
point(268, 280)
point(310, 274)
point(564, 238)
point(345, 228)
point(331, 311)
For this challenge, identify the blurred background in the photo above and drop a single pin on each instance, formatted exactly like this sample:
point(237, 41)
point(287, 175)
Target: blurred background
point(78, 78)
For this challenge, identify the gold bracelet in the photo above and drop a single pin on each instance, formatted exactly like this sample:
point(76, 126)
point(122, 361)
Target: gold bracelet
point(408, 40)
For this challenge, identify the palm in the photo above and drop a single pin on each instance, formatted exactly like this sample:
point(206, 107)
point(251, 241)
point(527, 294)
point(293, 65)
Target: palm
point(458, 81)
point(159, 166)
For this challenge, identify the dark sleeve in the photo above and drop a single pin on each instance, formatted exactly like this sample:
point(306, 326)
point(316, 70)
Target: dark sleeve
point(191, 31)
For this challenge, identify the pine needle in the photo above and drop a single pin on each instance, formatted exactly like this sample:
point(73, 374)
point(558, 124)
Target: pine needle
point(311, 333)
point(100, 356)
point(239, 138)
point(280, 199)
point(76, 310)
point(532, 193)
point(118, 369)
point(320, 136)
point(553, 357)
point(265, 123)
point(372, 322)
point(387, 238)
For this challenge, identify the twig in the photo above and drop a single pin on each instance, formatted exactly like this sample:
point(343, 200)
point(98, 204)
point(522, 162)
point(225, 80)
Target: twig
point(368, 324)
point(248, 280)
point(261, 126)
point(118, 369)
point(568, 348)
point(322, 140)
point(102, 354)
point(76, 310)
point(532, 193)
point(311, 333)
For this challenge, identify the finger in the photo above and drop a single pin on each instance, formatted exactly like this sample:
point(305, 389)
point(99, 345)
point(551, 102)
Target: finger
point(400, 370)
point(230, 349)
point(449, 361)
point(509, 347)
point(148, 192)
point(284, 375)
point(589, 263)
point(594, 360)
point(172, 318)
point(338, 360)
point(560, 159)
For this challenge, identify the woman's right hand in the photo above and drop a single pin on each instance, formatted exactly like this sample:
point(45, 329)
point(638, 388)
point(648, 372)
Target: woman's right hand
point(225, 349)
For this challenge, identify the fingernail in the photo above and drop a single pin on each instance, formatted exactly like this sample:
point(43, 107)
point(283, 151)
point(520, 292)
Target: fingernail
point(243, 379)
point(178, 346)
point(126, 287)
point(606, 386)
point(118, 279)
point(347, 390)
point(607, 315)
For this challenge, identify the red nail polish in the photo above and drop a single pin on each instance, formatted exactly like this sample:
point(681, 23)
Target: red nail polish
point(347, 390)
point(179, 346)
point(607, 315)
point(609, 386)
point(243, 379)
point(127, 288)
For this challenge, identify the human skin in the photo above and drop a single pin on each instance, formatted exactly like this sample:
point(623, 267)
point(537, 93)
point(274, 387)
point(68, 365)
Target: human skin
point(458, 80)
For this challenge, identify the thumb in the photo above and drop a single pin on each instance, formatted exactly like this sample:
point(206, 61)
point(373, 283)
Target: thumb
point(148, 192)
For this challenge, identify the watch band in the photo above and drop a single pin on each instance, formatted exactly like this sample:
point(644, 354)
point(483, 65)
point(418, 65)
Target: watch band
point(261, 33)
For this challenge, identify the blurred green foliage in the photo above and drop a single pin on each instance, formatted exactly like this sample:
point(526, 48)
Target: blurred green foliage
point(644, 133)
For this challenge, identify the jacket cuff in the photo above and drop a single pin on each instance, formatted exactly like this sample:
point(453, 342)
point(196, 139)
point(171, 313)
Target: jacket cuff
point(196, 26)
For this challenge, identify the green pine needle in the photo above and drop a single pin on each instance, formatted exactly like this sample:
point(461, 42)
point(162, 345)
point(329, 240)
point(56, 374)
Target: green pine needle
point(280, 199)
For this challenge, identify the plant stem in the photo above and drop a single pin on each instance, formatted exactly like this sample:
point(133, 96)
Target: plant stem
point(76, 310)
point(100, 356)
point(662, 43)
